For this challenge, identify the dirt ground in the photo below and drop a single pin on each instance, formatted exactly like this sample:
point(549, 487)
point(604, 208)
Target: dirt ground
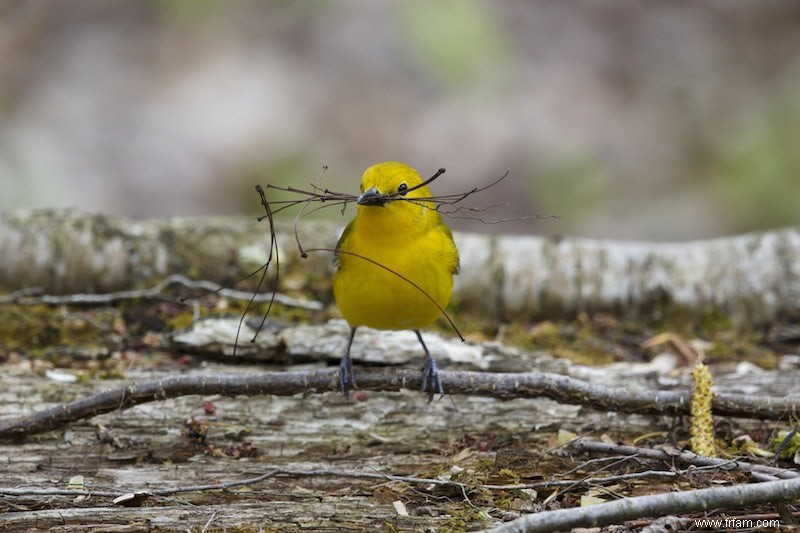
point(385, 461)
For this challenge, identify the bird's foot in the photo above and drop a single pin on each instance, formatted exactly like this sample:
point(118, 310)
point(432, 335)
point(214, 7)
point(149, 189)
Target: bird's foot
point(430, 378)
point(347, 378)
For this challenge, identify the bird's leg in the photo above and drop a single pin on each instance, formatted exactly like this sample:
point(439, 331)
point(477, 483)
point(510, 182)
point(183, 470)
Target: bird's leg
point(347, 378)
point(430, 372)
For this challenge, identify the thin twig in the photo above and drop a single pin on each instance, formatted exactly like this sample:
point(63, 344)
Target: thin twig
point(30, 296)
point(13, 491)
point(213, 516)
point(329, 198)
point(735, 497)
point(402, 277)
point(217, 486)
point(600, 480)
point(562, 389)
point(760, 472)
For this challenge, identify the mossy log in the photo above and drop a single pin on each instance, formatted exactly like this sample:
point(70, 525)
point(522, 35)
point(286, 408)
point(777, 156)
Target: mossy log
point(753, 278)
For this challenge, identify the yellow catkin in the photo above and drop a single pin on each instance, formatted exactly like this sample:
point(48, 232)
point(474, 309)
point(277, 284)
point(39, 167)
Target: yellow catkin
point(702, 428)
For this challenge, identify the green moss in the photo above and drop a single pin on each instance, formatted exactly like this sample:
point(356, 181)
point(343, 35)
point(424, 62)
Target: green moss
point(545, 336)
point(277, 313)
point(690, 323)
point(26, 327)
point(41, 329)
point(715, 321)
point(577, 341)
point(461, 517)
point(472, 327)
point(729, 341)
point(677, 320)
point(509, 476)
point(790, 448)
point(183, 320)
point(505, 501)
point(435, 471)
point(100, 373)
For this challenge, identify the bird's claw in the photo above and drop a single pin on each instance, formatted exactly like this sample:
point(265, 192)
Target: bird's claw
point(347, 378)
point(430, 378)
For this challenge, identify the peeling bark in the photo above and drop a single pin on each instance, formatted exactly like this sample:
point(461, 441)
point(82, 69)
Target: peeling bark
point(755, 278)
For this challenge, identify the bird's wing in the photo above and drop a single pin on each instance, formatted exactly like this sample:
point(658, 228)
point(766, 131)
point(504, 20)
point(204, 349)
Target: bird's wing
point(342, 239)
point(457, 262)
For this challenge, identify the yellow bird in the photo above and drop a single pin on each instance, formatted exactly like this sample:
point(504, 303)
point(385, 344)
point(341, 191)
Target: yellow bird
point(394, 263)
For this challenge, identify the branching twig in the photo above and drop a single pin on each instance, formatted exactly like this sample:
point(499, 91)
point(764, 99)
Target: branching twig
point(735, 497)
point(760, 472)
point(30, 296)
point(402, 277)
point(325, 197)
point(594, 481)
point(562, 389)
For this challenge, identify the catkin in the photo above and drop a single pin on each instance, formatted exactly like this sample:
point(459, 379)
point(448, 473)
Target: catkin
point(702, 428)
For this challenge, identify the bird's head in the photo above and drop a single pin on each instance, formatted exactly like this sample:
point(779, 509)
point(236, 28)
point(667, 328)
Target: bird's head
point(388, 184)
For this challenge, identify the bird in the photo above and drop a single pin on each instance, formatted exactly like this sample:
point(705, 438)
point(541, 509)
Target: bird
point(394, 263)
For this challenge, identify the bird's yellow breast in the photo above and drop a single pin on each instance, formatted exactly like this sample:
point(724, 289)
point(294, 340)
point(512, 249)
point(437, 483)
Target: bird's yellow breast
point(395, 266)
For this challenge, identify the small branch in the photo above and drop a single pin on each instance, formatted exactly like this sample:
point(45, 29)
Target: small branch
point(11, 491)
point(603, 514)
point(598, 480)
point(761, 472)
point(28, 296)
point(353, 474)
point(562, 389)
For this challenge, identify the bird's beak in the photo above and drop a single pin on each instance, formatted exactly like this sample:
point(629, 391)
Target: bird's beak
point(371, 197)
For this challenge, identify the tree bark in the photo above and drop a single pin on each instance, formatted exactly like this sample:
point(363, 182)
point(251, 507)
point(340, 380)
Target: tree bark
point(754, 278)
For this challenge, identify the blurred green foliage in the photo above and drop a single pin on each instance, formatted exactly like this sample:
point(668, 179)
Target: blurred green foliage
point(757, 178)
point(570, 186)
point(190, 10)
point(461, 41)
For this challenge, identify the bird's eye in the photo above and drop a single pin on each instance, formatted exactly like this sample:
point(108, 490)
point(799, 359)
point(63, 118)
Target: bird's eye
point(402, 188)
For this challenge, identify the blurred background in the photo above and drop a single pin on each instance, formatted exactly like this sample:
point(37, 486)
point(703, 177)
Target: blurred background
point(658, 120)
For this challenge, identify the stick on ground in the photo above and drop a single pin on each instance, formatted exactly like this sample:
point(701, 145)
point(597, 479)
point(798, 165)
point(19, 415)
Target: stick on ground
point(735, 497)
point(562, 389)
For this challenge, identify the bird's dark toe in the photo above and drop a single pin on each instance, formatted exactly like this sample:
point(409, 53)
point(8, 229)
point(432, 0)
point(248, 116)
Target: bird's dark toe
point(347, 378)
point(430, 378)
